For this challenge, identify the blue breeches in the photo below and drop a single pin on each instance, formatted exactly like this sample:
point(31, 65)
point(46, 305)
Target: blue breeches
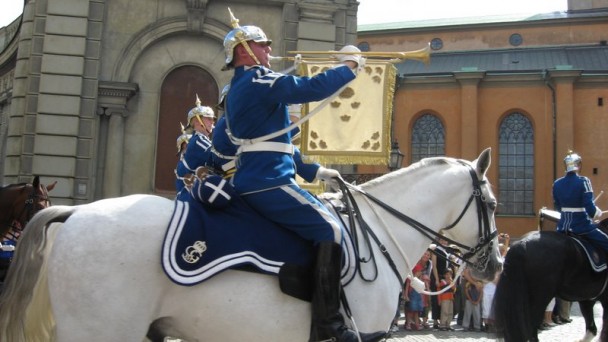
point(295, 209)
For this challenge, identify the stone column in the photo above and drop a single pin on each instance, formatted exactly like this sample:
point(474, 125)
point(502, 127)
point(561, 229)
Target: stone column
point(563, 82)
point(469, 120)
point(112, 111)
point(112, 176)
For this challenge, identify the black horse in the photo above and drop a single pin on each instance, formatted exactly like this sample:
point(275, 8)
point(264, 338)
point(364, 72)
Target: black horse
point(539, 267)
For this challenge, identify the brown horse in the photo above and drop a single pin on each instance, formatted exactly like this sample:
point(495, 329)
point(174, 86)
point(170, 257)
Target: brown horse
point(19, 203)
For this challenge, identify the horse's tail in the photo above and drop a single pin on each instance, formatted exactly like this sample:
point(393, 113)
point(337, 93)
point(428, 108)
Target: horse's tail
point(25, 309)
point(510, 306)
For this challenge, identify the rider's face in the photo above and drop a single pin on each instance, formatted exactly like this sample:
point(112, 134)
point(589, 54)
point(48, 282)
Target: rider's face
point(262, 52)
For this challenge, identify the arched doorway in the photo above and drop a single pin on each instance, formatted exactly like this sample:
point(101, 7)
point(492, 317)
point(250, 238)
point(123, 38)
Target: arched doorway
point(178, 96)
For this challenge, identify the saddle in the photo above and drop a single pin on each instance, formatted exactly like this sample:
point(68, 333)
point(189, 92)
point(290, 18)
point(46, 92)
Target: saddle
point(212, 230)
point(595, 255)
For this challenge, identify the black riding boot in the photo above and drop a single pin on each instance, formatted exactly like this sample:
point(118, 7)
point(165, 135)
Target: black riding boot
point(327, 321)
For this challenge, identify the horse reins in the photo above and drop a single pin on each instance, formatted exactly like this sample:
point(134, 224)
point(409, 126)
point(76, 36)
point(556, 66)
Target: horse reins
point(484, 233)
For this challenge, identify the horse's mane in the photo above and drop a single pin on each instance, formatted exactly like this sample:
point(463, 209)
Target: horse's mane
point(408, 171)
point(10, 186)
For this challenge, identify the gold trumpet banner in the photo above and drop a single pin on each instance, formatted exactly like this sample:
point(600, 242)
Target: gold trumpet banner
point(354, 128)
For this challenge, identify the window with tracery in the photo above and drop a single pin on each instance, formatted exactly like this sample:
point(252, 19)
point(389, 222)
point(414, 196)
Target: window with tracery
point(428, 138)
point(516, 166)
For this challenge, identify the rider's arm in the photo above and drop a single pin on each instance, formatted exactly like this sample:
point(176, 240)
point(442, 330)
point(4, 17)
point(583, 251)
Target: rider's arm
point(556, 203)
point(308, 171)
point(588, 202)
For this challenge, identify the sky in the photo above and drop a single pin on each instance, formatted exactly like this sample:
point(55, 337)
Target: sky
point(384, 11)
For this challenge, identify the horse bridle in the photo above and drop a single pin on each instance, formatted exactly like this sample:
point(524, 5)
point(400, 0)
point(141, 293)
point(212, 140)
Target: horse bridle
point(485, 235)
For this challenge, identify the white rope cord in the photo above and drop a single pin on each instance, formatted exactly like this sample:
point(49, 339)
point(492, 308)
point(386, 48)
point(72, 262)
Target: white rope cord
point(239, 141)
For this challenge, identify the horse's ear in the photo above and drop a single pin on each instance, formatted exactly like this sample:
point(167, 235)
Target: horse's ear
point(51, 186)
point(36, 182)
point(483, 162)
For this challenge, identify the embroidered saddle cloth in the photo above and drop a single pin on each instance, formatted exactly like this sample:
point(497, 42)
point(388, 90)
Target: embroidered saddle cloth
point(596, 256)
point(202, 241)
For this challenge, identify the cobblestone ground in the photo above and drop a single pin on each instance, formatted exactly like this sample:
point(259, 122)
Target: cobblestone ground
point(566, 332)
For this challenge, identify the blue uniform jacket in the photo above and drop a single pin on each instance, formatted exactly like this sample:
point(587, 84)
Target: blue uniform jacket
point(222, 144)
point(573, 198)
point(257, 106)
point(196, 155)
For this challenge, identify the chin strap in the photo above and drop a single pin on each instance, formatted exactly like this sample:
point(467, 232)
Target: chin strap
point(239, 35)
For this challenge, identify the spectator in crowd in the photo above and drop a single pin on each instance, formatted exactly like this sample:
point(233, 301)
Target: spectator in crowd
point(486, 303)
point(547, 320)
point(446, 301)
point(440, 265)
point(413, 302)
point(473, 290)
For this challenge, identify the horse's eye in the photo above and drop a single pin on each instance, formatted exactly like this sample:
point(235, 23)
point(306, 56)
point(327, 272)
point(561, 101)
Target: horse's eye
point(492, 205)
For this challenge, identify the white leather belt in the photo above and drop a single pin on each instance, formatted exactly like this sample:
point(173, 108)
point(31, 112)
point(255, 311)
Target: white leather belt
point(267, 146)
point(229, 165)
point(573, 210)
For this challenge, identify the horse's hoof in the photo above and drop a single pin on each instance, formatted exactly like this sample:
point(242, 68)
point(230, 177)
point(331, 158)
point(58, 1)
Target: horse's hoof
point(587, 338)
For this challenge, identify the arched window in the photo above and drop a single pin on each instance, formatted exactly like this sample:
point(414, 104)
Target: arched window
point(516, 166)
point(178, 96)
point(428, 138)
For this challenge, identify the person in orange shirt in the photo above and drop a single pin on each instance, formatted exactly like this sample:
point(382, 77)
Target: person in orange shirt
point(446, 301)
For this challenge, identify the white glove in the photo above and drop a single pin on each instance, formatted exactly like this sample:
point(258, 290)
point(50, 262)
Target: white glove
point(328, 175)
point(598, 213)
point(354, 58)
point(7, 248)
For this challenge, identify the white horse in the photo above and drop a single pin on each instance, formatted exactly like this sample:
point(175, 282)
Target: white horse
point(93, 272)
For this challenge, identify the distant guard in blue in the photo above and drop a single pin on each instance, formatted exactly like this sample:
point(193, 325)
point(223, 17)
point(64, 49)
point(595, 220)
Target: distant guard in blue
point(573, 198)
point(182, 147)
point(201, 119)
point(256, 107)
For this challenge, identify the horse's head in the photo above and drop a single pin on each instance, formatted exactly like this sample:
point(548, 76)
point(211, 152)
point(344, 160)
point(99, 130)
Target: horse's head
point(437, 198)
point(22, 201)
point(476, 235)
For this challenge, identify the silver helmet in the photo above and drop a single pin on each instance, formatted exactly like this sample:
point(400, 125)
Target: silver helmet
point(241, 35)
point(183, 138)
point(572, 161)
point(221, 100)
point(199, 110)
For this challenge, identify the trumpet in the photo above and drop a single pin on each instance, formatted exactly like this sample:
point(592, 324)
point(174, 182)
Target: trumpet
point(422, 55)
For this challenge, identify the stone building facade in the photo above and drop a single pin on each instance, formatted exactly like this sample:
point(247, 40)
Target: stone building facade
point(529, 87)
point(92, 91)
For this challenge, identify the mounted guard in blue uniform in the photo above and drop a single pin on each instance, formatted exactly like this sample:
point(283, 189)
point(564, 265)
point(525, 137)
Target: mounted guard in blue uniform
point(573, 198)
point(182, 147)
point(201, 121)
point(258, 122)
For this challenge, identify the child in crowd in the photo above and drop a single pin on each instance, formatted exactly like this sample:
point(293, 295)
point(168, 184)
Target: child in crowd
point(427, 267)
point(413, 301)
point(446, 301)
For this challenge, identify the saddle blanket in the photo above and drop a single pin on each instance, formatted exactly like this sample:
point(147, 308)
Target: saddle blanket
point(202, 241)
point(597, 258)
